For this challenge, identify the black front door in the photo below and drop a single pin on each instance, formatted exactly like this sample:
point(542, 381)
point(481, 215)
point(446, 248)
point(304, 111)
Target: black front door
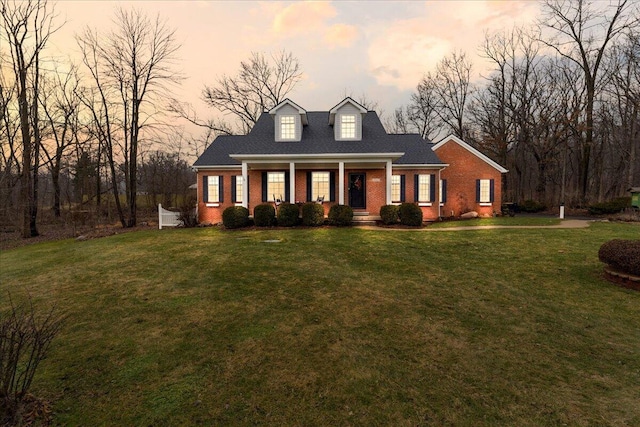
point(357, 191)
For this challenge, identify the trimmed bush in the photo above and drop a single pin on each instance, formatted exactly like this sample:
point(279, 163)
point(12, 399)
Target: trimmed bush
point(389, 214)
point(531, 206)
point(235, 217)
point(264, 215)
point(410, 214)
point(622, 255)
point(610, 207)
point(288, 215)
point(312, 214)
point(340, 215)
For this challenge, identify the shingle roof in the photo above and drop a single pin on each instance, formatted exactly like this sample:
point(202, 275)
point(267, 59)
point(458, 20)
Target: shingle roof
point(318, 138)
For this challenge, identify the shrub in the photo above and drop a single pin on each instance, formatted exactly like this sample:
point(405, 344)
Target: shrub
point(25, 338)
point(235, 217)
point(288, 214)
point(610, 207)
point(340, 215)
point(622, 255)
point(264, 215)
point(188, 213)
point(312, 214)
point(410, 214)
point(389, 214)
point(531, 206)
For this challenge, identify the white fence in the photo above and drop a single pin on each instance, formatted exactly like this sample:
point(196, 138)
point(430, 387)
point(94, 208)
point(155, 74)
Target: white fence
point(167, 218)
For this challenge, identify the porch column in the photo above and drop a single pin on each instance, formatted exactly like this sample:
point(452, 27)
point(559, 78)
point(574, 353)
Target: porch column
point(292, 182)
point(389, 173)
point(245, 185)
point(341, 183)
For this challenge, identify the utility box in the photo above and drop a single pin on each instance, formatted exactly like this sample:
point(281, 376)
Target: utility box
point(635, 197)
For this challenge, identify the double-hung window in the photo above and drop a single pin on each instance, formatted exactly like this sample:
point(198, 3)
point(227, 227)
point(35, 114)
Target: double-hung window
point(212, 189)
point(320, 186)
point(484, 191)
point(287, 127)
point(347, 126)
point(424, 188)
point(395, 189)
point(275, 185)
point(238, 189)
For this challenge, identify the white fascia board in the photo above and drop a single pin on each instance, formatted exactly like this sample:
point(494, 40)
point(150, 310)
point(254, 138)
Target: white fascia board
point(216, 167)
point(471, 150)
point(421, 166)
point(301, 111)
point(268, 158)
point(347, 100)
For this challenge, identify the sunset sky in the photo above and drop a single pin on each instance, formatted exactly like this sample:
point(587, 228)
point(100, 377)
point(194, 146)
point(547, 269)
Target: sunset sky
point(379, 49)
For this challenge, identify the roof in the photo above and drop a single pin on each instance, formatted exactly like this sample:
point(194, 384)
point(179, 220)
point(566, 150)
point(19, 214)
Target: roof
point(318, 138)
point(470, 149)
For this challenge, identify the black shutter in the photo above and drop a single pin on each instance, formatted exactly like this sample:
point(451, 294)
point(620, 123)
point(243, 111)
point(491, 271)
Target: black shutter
point(477, 191)
point(432, 190)
point(308, 186)
point(415, 187)
point(286, 187)
point(205, 189)
point(233, 188)
point(332, 186)
point(221, 188)
point(265, 196)
point(402, 188)
point(444, 191)
point(491, 190)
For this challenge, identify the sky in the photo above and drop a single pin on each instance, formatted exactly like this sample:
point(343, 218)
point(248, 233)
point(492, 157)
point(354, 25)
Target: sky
point(376, 49)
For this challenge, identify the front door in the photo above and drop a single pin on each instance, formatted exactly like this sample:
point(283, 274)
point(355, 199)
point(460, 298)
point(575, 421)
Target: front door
point(357, 191)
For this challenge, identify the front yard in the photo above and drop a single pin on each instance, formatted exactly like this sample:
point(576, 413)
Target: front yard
point(335, 327)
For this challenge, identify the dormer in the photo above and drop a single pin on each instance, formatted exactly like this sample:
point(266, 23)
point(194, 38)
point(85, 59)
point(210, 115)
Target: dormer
point(346, 119)
point(288, 118)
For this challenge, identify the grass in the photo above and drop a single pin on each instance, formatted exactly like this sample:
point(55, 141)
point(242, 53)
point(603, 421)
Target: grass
point(335, 327)
point(510, 221)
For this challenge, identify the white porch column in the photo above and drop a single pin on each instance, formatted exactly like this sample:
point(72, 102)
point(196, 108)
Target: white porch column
point(341, 183)
point(389, 173)
point(292, 182)
point(245, 185)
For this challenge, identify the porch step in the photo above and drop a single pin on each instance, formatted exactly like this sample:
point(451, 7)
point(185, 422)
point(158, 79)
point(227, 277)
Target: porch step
point(360, 213)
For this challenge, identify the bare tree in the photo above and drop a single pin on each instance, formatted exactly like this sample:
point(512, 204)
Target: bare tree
point(131, 68)
point(260, 85)
point(583, 30)
point(27, 26)
point(453, 87)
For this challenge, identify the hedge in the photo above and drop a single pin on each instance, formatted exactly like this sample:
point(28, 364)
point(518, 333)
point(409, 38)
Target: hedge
point(312, 214)
point(288, 215)
point(340, 215)
point(264, 215)
point(389, 214)
point(622, 255)
point(610, 207)
point(235, 217)
point(410, 214)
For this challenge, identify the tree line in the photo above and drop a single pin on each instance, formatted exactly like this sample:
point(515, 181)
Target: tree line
point(559, 109)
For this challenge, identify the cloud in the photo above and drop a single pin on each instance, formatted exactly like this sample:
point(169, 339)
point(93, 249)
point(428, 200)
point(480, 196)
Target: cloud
point(302, 17)
point(403, 52)
point(340, 35)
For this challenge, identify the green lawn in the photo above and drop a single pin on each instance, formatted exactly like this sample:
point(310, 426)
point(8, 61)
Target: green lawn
point(500, 220)
point(335, 327)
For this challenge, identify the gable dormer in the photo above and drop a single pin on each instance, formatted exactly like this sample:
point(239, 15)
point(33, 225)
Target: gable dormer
point(288, 118)
point(346, 119)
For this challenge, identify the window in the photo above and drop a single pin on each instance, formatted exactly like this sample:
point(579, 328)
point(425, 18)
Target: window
point(287, 127)
point(212, 190)
point(320, 185)
point(275, 185)
point(239, 188)
point(424, 188)
point(484, 191)
point(395, 188)
point(443, 191)
point(347, 126)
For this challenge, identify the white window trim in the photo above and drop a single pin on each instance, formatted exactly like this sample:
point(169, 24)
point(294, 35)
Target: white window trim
point(488, 192)
point(313, 181)
point(239, 183)
point(342, 127)
point(270, 193)
point(399, 184)
point(213, 203)
point(293, 124)
point(427, 201)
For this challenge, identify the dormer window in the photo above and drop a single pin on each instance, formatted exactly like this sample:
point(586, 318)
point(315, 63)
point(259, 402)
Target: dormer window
point(347, 126)
point(287, 127)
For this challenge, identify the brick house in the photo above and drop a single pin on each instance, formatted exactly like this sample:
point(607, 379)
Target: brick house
point(343, 156)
